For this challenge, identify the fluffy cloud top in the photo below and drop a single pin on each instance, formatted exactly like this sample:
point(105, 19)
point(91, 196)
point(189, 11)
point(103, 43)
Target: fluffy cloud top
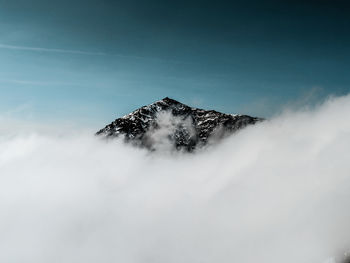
point(275, 192)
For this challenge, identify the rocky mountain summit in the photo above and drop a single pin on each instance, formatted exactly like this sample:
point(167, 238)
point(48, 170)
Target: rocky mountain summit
point(168, 122)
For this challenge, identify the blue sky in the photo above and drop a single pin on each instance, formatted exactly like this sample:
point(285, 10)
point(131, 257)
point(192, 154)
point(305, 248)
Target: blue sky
point(92, 61)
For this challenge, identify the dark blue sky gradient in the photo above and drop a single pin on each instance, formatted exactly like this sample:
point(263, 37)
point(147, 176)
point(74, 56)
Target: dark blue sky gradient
point(92, 61)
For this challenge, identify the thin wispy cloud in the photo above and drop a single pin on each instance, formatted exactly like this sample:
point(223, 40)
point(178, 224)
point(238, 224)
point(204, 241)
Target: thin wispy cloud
point(38, 83)
point(51, 50)
point(82, 52)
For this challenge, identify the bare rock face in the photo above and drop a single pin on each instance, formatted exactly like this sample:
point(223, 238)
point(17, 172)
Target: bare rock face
point(169, 122)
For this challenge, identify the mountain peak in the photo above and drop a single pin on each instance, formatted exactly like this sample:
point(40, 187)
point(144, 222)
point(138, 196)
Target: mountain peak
point(169, 122)
point(170, 100)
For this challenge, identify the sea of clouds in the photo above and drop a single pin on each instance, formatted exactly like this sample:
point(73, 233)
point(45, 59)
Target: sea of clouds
point(278, 191)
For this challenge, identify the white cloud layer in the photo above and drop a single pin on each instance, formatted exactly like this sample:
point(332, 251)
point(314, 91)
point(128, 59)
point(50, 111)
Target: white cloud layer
point(275, 192)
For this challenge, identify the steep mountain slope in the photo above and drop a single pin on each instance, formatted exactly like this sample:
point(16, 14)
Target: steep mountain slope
point(169, 122)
